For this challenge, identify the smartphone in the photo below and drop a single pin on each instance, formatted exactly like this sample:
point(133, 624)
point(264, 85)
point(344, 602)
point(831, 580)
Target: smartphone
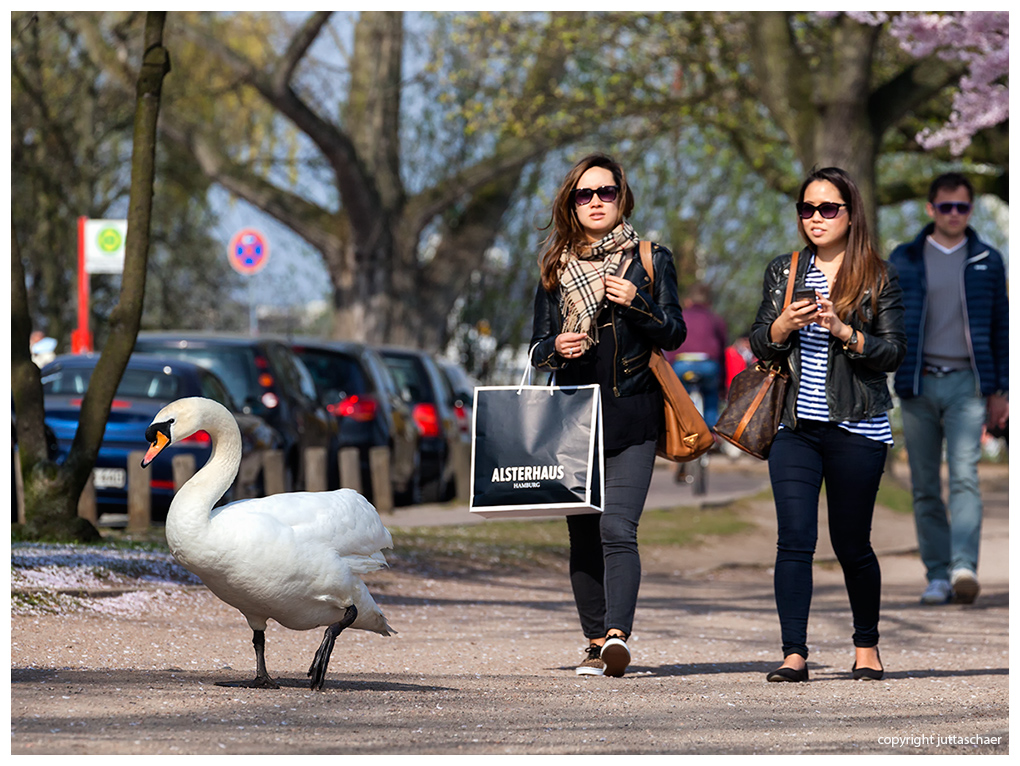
point(805, 294)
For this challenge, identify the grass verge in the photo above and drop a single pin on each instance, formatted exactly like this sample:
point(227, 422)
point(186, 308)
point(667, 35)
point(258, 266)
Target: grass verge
point(503, 545)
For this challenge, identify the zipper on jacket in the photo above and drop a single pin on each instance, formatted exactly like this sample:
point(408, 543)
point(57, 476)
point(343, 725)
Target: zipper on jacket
point(616, 353)
point(919, 365)
point(966, 316)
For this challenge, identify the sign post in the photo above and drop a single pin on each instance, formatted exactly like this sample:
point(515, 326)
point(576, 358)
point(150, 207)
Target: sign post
point(100, 251)
point(248, 252)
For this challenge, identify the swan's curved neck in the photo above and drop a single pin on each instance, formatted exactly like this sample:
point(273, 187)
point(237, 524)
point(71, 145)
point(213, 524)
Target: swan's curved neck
point(190, 508)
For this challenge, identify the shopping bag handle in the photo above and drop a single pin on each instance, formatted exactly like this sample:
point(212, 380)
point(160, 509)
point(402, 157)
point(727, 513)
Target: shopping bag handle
point(526, 377)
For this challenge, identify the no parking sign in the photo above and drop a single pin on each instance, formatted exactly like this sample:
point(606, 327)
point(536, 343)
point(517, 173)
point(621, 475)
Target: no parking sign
point(248, 251)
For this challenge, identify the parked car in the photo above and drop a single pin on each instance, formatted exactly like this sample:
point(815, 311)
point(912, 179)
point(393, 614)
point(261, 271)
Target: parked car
point(423, 385)
point(462, 395)
point(266, 379)
point(360, 392)
point(149, 383)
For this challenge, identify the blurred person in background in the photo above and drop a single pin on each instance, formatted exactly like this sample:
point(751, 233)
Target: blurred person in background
point(954, 381)
point(704, 351)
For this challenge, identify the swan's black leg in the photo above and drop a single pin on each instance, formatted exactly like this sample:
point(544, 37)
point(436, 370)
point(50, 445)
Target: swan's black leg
point(262, 679)
point(318, 669)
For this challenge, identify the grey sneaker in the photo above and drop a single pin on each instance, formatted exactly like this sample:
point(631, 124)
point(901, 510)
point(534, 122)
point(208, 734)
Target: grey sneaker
point(965, 586)
point(937, 592)
point(616, 655)
point(592, 664)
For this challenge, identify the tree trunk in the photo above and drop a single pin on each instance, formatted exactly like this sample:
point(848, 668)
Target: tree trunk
point(51, 492)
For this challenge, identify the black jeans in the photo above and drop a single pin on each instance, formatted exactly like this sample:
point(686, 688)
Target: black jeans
point(851, 466)
point(605, 569)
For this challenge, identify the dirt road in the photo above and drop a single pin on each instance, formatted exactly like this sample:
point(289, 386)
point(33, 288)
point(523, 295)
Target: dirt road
point(483, 663)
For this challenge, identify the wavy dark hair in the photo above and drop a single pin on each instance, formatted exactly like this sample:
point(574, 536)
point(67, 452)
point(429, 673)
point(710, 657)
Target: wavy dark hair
point(862, 268)
point(566, 228)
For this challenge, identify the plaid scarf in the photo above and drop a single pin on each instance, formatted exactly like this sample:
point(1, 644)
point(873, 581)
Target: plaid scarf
point(583, 279)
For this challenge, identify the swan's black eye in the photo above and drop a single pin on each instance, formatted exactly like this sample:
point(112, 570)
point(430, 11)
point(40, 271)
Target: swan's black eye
point(163, 428)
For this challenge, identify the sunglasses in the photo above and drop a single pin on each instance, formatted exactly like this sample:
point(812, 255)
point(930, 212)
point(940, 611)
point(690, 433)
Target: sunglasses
point(945, 208)
point(605, 193)
point(825, 210)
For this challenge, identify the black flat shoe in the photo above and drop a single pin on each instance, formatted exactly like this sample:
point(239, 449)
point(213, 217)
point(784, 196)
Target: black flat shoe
point(868, 674)
point(788, 674)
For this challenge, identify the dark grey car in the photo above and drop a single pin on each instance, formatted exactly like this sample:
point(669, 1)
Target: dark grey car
point(360, 392)
point(425, 387)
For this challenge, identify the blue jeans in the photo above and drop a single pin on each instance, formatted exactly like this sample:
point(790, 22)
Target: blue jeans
point(851, 467)
point(605, 569)
point(708, 385)
point(950, 410)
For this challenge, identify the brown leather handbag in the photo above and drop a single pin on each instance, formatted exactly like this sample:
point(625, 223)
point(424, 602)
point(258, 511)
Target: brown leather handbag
point(754, 404)
point(686, 435)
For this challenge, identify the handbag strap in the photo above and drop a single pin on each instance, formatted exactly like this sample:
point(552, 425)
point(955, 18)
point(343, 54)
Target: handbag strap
point(758, 397)
point(773, 370)
point(792, 278)
point(645, 251)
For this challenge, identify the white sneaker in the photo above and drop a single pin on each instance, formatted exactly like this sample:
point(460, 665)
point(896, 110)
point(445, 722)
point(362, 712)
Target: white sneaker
point(965, 586)
point(616, 655)
point(937, 592)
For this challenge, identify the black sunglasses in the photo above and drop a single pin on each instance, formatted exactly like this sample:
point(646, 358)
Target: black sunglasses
point(825, 210)
point(606, 194)
point(945, 208)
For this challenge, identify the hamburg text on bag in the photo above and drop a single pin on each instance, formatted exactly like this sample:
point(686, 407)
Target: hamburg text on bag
point(536, 451)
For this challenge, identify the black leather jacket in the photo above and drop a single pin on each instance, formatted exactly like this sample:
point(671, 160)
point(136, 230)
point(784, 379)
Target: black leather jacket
point(856, 387)
point(652, 320)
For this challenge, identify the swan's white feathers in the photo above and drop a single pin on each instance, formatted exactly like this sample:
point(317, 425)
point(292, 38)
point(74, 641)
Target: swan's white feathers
point(294, 558)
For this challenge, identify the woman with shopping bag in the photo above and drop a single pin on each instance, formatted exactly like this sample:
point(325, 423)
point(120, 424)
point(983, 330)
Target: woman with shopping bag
point(838, 337)
point(598, 316)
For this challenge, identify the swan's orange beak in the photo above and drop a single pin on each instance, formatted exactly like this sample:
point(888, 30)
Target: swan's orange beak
point(155, 448)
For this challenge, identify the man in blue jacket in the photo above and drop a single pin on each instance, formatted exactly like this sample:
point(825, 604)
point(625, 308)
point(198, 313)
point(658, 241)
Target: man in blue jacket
point(953, 380)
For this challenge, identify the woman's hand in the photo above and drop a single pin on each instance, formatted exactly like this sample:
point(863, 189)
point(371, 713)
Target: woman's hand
point(570, 344)
point(795, 316)
point(826, 317)
point(620, 290)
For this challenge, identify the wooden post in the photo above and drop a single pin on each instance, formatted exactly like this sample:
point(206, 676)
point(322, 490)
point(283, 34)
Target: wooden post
point(315, 469)
point(462, 470)
point(183, 468)
point(139, 495)
point(272, 472)
point(382, 486)
point(350, 468)
point(86, 502)
point(19, 484)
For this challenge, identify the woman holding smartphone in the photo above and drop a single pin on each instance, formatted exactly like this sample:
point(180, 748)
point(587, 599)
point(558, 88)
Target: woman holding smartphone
point(838, 338)
point(597, 319)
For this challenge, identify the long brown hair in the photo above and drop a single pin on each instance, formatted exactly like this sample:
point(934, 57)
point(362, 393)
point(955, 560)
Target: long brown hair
point(566, 229)
point(862, 268)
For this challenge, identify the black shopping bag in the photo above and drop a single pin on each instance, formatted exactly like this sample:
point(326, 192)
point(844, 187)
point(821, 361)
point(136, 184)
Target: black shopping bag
point(536, 451)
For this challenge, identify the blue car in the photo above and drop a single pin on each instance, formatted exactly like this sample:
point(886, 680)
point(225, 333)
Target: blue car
point(149, 383)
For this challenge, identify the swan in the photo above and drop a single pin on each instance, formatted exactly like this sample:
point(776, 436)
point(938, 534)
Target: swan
point(295, 557)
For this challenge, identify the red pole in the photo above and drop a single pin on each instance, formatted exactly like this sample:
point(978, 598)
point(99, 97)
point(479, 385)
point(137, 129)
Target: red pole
point(81, 339)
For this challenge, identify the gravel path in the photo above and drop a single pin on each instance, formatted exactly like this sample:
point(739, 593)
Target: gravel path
point(140, 661)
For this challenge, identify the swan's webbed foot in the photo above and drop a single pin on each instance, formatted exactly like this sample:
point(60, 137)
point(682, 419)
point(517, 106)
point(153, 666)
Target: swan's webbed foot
point(262, 682)
point(317, 671)
point(262, 679)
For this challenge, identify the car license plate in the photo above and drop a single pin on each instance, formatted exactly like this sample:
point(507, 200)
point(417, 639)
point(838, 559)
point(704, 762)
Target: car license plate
point(109, 478)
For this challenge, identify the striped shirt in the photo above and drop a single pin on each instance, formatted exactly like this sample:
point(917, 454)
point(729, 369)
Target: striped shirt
point(814, 362)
